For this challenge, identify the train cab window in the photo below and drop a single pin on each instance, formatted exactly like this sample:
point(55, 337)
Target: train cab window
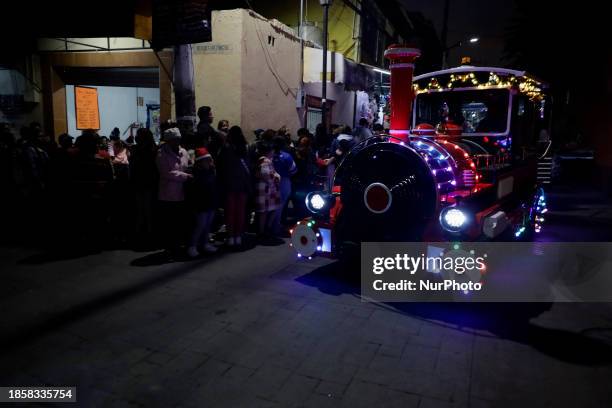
point(477, 111)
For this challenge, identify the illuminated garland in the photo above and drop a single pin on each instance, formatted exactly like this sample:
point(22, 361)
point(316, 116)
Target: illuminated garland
point(433, 84)
point(525, 85)
point(534, 215)
point(440, 162)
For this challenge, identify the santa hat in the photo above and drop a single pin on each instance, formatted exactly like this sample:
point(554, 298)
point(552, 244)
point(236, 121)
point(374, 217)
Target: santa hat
point(201, 153)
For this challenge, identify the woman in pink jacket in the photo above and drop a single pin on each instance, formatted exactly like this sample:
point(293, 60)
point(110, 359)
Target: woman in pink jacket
point(173, 164)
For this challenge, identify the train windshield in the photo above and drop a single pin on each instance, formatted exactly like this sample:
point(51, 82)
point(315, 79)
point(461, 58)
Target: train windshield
point(477, 111)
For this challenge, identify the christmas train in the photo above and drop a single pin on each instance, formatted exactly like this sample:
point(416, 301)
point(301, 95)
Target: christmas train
point(464, 159)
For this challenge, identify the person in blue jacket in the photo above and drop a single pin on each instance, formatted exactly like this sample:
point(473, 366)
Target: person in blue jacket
point(286, 168)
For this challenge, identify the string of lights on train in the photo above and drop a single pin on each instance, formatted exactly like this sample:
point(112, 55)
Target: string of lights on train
point(535, 215)
point(526, 85)
point(443, 165)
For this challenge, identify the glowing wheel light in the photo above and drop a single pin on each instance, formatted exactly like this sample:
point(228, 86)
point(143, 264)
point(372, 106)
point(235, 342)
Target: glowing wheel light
point(306, 240)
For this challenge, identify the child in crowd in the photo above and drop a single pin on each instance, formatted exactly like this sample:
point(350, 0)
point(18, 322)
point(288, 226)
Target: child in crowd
point(267, 191)
point(202, 195)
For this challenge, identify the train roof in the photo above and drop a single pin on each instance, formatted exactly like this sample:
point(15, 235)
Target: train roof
point(468, 77)
point(470, 68)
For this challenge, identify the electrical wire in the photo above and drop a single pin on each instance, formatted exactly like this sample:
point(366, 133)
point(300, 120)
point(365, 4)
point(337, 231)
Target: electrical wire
point(284, 86)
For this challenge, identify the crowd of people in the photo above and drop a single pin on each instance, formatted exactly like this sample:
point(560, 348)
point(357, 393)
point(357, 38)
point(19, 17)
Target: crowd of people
point(187, 194)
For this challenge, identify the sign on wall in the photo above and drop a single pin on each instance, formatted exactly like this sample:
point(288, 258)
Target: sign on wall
point(86, 108)
point(212, 49)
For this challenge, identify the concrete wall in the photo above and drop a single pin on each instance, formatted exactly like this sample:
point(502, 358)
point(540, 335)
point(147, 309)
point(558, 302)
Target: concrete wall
point(270, 74)
point(118, 107)
point(249, 73)
point(217, 66)
point(313, 65)
point(343, 101)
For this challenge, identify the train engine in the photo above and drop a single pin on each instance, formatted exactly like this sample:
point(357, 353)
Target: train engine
point(464, 159)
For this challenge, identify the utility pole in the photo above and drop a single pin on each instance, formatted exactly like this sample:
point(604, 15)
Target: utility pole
point(300, 94)
point(184, 90)
point(325, 4)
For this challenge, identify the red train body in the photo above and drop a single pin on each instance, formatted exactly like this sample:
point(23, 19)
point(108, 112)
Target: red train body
point(464, 160)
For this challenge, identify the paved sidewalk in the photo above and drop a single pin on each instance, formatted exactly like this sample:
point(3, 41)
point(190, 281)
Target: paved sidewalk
point(261, 329)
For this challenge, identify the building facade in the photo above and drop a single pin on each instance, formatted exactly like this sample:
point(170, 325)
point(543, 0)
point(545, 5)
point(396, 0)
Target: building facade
point(253, 72)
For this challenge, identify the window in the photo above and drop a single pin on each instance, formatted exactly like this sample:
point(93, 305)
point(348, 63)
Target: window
point(313, 118)
point(478, 111)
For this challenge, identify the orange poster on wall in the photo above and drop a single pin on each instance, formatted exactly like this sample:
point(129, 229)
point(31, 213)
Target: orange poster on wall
point(86, 108)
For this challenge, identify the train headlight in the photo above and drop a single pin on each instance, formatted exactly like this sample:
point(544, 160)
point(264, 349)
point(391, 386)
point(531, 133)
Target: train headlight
point(318, 202)
point(453, 219)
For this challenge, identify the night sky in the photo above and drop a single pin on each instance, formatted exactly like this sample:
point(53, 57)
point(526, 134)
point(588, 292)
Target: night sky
point(485, 19)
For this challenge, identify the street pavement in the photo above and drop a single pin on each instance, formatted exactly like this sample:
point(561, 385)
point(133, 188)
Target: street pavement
point(260, 328)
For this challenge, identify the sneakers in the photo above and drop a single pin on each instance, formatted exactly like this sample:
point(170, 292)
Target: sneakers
point(193, 252)
point(210, 248)
point(234, 241)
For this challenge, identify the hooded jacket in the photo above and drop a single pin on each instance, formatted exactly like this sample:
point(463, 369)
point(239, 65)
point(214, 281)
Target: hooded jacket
point(172, 173)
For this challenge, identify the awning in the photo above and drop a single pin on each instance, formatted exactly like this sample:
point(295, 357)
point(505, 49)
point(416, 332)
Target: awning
point(358, 77)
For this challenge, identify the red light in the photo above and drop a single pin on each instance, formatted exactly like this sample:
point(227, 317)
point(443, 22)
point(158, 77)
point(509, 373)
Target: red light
point(377, 198)
point(486, 139)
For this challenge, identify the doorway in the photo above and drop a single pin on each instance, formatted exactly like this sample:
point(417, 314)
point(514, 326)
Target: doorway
point(133, 87)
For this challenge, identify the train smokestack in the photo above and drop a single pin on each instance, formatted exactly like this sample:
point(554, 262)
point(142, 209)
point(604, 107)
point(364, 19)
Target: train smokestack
point(402, 60)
